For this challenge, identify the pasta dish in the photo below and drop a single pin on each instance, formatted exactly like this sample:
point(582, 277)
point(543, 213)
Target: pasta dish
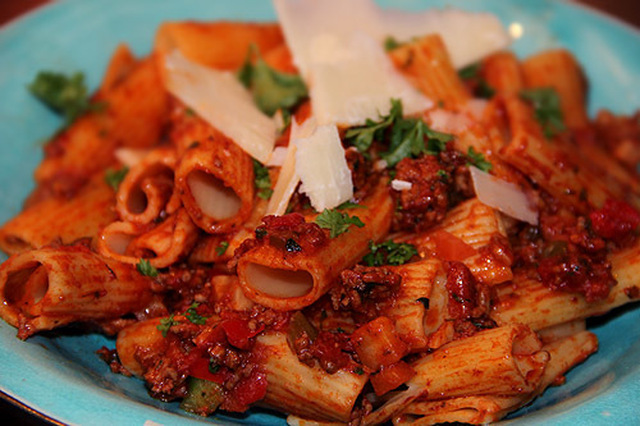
point(383, 219)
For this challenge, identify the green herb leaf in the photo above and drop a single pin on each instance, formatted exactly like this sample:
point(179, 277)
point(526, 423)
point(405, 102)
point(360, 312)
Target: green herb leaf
point(166, 324)
point(362, 137)
point(350, 205)
point(145, 268)
point(391, 43)
point(470, 71)
point(192, 315)
point(222, 248)
point(115, 177)
point(477, 159)
point(214, 367)
point(336, 222)
point(262, 181)
point(389, 253)
point(359, 371)
point(406, 137)
point(66, 95)
point(271, 89)
point(546, 104)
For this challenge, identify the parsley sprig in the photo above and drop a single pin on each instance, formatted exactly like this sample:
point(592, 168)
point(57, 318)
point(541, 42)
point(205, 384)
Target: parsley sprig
point(406, 137)
point(477, 159)
point(145, 268)
point(547, 110)
point(67, 95)
point(272, 90)
point(337, 222)
point(389, 253)
point(190, 314)
point(472, 75)
point(262, 181)
point(222, 248)
point(114, 178)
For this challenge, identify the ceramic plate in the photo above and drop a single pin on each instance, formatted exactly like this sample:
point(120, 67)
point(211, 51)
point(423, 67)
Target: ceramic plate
point(61, 377)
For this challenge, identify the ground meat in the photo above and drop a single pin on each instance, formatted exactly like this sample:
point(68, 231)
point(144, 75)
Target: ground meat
point(437, 184)
point(110, 356)
point(291, 233)
point(362, 173)
point(365, 291)
point(331, 350)
point(566, 254)
point(469, 301)
point(620, 135)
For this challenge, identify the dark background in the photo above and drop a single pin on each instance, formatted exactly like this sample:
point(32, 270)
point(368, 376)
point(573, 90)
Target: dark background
point(10, 414)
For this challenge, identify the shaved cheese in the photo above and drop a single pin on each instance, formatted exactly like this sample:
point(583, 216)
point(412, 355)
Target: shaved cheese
point(401, 185)
point(287, 182)
point(276, 159)
point(468, 36)
point(130, 156)
point(503, 196)
point(323, 169)
point(220, 99)
point(448, 122)
point(342, 60)
point(475, 108)
point(353, 80)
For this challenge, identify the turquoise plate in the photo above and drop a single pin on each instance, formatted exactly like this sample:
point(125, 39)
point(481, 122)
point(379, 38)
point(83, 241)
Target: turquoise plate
point(61, 377)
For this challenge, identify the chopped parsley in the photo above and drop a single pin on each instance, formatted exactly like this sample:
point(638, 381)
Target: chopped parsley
point(214, 367)
point(359, 371)
point(272, 90)
point(262, 181)
point(470, 71)
point(547, 111)
point(481, 88)
point(222, 248)
point(192, 315)
point(337, 222)
point(389, 253)
point(145, 268)
point(475, 158)
point(350, 205)
point(66, 95)
point(114, 178)
point(166, 324)
point(390, 43)
point(362, 137)
point(405, 138)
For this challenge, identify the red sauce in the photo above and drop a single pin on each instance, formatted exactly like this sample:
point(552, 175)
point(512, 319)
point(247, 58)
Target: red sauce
point(616, 220)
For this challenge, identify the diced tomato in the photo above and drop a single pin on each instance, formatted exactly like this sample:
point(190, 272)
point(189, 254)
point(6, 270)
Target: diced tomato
point(238, 332)
point(247, 391)
point(449, 247)
point(615, 220)
point(200, 369)
point(377, 344)
point(391, 377)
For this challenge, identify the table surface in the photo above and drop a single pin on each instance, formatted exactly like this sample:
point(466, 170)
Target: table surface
point(10, 414)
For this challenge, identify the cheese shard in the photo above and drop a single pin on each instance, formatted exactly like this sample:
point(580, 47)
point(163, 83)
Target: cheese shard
point(353, 80)
point(221, 100)
point(287, 182)
point(321, 164)
point(338, 47)
point(503, 196)
point(468, 36)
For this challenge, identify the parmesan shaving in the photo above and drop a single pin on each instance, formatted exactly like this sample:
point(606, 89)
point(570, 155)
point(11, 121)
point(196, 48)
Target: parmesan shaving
point(276, 159)
point(131, 156)
point(448, 122)
point(220, 99)
point(401, 185)
point(285, 186)
point(503, 196)
point(322, 167)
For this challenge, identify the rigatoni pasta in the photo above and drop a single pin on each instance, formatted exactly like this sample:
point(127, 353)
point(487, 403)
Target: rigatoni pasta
point(479, 229)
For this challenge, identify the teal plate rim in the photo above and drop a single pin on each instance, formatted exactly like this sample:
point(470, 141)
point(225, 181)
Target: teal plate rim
point(59, 376)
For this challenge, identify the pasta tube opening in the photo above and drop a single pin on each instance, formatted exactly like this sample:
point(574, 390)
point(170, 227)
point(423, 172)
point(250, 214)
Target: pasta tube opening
point(212, 196)
point(278, 282)
point(26, 287)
